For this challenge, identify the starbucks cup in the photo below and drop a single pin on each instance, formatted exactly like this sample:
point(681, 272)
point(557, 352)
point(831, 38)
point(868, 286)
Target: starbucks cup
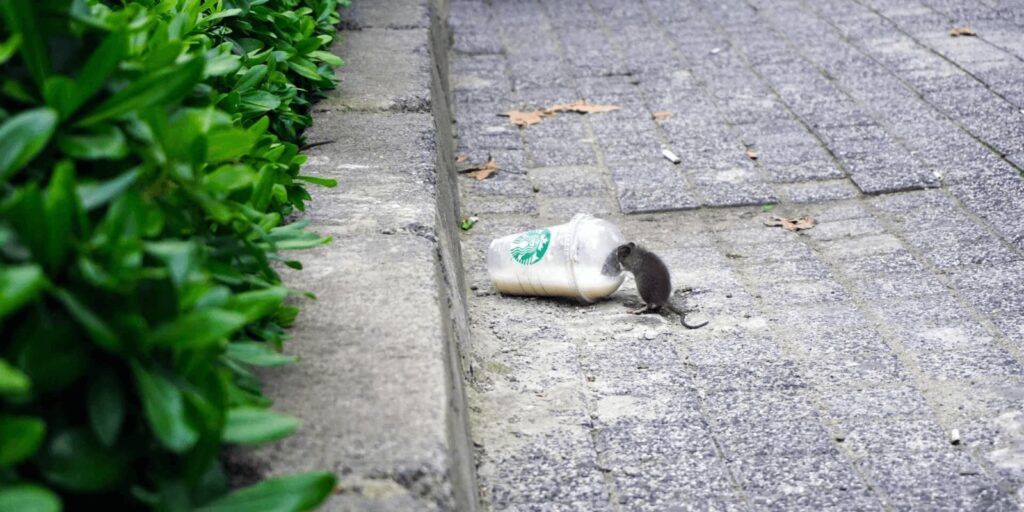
point(575, 259)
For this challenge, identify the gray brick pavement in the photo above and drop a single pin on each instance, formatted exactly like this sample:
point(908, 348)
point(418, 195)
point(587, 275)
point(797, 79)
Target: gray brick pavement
point(874, 362)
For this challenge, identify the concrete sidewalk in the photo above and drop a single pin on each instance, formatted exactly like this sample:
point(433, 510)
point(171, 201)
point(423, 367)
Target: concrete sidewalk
point(875, 361)
point(379, 384)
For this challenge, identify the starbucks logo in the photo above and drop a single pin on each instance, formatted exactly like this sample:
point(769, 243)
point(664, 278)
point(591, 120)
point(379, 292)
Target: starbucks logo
point(528, 248)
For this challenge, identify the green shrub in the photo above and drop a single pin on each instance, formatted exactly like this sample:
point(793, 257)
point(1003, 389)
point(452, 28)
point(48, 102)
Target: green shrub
point(148, 160)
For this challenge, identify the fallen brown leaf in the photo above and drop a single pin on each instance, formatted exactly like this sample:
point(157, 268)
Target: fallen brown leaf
point(751, 154)
point(660, 115)
point(461, 157)
point(519, 118)
point(798, 224)
point(481, 172)
point(580, 106)
point(962, 31)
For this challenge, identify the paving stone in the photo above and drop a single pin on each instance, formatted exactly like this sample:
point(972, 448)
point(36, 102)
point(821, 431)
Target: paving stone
point(796, 474)
point(654, 488)
point(566, 207)
point(659, 187)
point(969, 364)
point(499, 184)
point(819, 499)
point(480, 205)
point(948, 478)
point(568, 181)
point(992, 288)
point(818, 191)
point(958, 245)
point(838, 358)
point(763, 374)
point(929, 310)
point(895, 286)
point(739, 348)
point(889, 402)
point(847, 228)
point(845, 367)
point(868, 246)
point(867, 437)
point(881, 264)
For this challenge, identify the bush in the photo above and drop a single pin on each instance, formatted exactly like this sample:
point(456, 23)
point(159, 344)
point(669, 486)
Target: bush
point(149, 160)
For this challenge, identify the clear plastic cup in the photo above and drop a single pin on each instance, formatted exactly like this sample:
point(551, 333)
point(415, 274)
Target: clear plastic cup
point(575, 259)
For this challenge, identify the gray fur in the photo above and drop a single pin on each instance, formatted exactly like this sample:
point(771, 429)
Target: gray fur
point(653, 280)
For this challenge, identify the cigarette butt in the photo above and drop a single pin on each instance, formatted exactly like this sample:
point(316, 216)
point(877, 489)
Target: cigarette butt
point(670, 156)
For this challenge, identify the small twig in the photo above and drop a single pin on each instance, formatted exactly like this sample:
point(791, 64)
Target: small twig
point(315, 144)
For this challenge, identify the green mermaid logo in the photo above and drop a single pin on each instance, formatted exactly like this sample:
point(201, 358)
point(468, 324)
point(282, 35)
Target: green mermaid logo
point(530, 247)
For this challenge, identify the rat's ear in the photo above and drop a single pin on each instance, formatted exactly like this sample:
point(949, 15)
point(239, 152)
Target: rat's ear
point(624, 250)
point(631, 246)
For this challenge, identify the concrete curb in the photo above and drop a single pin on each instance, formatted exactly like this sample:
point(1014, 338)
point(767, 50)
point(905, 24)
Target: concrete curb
point(379, 387)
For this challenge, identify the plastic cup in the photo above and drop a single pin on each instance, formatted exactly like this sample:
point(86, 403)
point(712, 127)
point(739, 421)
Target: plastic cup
point(575, 259)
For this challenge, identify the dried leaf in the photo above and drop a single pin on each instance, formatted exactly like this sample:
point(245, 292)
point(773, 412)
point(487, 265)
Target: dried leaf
point(520, 118)
point(661, 115)
point(581, 107)
point(751, 154)
point(798, 224)
point(461, 157)
point(481, 172)
point(962, 31)
point(525, 118)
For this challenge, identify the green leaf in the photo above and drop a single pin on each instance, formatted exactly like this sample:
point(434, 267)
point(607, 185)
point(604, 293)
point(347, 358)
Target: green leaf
point(305, 68)
point(228, 178)
point(59, 93)
point(228, 144)
point(14, 89)
point(283, 494)
point(50, 351)
point(8, 47)
point(98, 67)
point(264, 186)
point(29, 498)
point(98, 330)
point(75, 460)
point(22, 137)
point(222, 64)
point(162, 87)
point(180, 257)
point(259, 303)
point(21, 19)
point(164, 408)
point(12, 380)
point(258, 354)
point(226, 13)
point(105, 402)
point(107, 143)
point(252, 425)
point(259, 101)
point(327, 57)
point(93, 195)
point(198, 329)
point(18, 285)
point(61, 208)
point(20, 437)
point(323, 182)
point(251, 78)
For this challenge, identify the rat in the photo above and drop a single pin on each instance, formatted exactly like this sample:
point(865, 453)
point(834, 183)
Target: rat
point(652, 280)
